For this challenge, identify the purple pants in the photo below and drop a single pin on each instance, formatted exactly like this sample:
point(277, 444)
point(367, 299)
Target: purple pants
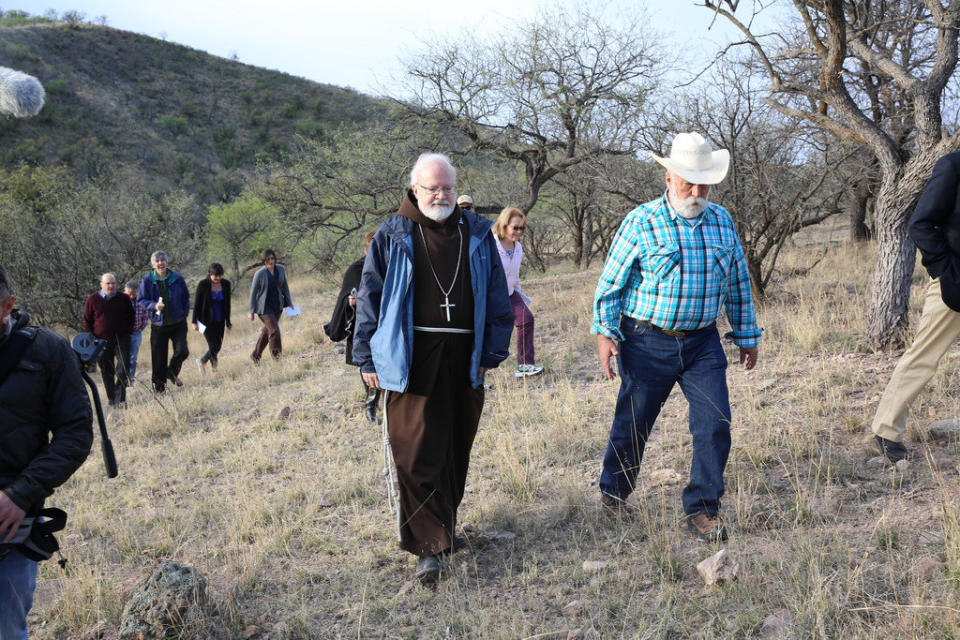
point(523, 321)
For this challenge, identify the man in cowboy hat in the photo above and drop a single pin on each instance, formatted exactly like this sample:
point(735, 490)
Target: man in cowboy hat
point(674, 265)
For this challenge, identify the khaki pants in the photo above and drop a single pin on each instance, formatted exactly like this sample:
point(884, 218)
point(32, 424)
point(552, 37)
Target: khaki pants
point(939, 328)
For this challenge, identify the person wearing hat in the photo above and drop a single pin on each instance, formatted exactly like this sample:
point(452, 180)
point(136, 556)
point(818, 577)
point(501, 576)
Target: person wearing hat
point(465, 202)
point(675, 264)
point(935, 228)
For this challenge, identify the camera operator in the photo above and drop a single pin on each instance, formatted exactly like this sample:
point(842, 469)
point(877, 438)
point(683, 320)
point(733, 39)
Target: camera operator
point(45, 435)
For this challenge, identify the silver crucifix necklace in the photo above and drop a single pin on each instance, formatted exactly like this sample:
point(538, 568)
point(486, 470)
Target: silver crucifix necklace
point(446, 294)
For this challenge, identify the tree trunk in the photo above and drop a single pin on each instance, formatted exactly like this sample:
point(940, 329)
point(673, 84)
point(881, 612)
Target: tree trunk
point(857, 212)
point(887, 320)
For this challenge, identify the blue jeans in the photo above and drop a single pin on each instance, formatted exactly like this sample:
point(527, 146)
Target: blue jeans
point(18, 579)
point(136, 339)
point(650, 364)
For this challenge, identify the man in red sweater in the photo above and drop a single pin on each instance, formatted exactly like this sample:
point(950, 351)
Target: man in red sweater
point(110, 317)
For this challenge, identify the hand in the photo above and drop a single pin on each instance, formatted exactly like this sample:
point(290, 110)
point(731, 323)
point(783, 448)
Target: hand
point(229, 326)
point(10, 517)
point(251, 317)
point(352, 301)
point(608, 350)
point(748, 355)
point(159, 306)
point(371, 380)
point(195, 327)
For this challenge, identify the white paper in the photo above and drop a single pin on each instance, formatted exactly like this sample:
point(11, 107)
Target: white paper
point(292, 311)
point(159, 300)
point(526, 299)
point(201, 327)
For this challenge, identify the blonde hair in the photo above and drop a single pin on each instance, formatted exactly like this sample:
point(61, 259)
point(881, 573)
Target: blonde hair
point(499, 227)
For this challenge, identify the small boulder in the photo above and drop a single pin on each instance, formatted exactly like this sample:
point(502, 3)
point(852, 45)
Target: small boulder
point(775, 624)
point(593, 566)
point(902, 465)
point(719, 568)
point(945, 430)
point(165, 604)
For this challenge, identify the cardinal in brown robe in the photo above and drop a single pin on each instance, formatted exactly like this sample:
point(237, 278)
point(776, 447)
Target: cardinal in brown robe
point(433, 315)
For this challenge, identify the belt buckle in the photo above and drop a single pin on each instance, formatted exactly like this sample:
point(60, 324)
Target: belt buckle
point(674, 333)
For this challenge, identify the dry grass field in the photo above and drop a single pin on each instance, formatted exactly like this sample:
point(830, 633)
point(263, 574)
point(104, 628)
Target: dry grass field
point(288, 520)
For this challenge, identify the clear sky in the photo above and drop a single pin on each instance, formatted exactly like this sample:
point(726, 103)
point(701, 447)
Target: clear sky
point(352, 43)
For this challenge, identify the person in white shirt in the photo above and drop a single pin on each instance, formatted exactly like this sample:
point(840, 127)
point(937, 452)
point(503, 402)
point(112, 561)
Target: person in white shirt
point(507, 231)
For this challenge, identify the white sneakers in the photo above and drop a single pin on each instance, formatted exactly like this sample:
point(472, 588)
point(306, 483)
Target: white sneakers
point(528, 370)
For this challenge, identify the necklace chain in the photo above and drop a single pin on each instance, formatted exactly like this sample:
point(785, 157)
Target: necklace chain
point(456, 273)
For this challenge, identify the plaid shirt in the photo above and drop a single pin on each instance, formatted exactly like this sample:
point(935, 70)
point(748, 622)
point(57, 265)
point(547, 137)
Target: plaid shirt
point(675, 275)
point(141, 317)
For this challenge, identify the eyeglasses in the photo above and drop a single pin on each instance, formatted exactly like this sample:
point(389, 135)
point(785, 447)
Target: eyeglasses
point(516, 228)
point(437, 190)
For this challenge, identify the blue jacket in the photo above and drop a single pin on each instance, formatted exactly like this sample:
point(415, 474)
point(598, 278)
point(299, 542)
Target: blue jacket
point(383, 335)
point(178, 305)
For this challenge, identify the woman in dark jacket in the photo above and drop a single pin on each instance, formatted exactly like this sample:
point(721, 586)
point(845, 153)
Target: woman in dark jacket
point(269, 296)
point(211, 308)
point(341, 324)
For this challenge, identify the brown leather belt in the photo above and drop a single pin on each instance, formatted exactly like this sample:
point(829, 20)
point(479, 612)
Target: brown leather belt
point(673, 333)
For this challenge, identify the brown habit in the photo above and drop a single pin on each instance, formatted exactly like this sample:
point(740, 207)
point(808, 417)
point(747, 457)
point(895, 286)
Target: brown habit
point(432, 425)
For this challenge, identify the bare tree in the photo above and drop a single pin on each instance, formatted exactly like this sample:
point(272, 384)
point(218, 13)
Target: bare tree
point(785, 177)
point(822, 68)
point(555, 91)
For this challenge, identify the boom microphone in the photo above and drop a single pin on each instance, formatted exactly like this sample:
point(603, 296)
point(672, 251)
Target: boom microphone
point(21, 95)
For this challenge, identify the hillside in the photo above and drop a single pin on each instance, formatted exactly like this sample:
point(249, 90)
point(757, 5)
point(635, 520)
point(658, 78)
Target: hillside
point(285, 513)
point(163, 112)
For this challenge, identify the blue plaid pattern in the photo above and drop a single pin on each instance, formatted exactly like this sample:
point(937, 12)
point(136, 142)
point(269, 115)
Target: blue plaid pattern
point(676, 275)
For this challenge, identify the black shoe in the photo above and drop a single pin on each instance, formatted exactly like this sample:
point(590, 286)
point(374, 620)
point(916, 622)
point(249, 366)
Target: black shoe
point(255, 358)
point(892, 451)
point(172, 377)
point(428, 570)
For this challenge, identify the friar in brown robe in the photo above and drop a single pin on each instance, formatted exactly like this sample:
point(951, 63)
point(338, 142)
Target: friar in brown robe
point(432, 316)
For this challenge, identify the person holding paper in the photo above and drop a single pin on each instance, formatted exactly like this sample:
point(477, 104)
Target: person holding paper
point(269, 295)
point(211, 314)
point(507, 231)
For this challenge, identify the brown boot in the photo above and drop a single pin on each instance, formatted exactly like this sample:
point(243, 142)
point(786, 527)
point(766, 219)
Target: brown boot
point(707, 527)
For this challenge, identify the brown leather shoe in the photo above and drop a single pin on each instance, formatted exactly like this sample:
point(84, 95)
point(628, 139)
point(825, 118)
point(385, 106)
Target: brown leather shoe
point(707, 527)
point(617, 507)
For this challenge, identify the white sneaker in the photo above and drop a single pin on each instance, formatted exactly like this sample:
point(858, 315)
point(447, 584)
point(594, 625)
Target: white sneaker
point(528, 370)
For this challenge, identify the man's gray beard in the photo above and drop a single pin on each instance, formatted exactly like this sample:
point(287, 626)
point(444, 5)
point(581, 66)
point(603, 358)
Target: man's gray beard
point(438, 212)
point(691, 207)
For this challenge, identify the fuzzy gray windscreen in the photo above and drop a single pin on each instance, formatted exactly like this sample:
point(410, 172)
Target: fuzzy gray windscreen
point(21, 95)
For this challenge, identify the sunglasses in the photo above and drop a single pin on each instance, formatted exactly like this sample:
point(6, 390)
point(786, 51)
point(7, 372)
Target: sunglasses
point(516, 228)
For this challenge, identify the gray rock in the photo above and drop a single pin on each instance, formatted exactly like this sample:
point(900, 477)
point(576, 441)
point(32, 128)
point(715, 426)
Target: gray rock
point(903, 465)
point(504, 536)
point(775, 624)
point(165, 605)
point(573, 608)
point(592, 566)
point(719, 568)
point(946, 430)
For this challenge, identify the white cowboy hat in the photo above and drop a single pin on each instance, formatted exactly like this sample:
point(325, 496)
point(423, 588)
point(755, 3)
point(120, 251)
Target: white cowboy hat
point(692, 159)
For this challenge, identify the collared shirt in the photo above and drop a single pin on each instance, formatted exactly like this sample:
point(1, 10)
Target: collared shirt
point(140, 317)
point(676, 274)
point(103, 294)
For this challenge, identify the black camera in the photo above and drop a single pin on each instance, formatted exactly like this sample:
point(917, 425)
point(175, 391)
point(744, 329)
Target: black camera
point(88, 348)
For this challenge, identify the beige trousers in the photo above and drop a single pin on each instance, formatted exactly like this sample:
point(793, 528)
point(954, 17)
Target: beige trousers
point(939, 328)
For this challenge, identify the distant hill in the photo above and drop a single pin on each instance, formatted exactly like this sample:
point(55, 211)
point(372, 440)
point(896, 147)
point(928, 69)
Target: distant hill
point(124, 102)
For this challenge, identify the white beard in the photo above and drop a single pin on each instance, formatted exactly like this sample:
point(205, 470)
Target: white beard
point(438, 211)
point(691, 207)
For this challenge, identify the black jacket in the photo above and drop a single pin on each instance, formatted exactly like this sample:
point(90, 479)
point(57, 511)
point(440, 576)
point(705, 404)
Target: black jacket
point(935, 227)
point(45, 418)
point(203, 304)
point(343, 317)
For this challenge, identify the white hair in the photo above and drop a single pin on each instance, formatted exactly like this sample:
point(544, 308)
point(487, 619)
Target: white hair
point(20, 95)
point(428, 158)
